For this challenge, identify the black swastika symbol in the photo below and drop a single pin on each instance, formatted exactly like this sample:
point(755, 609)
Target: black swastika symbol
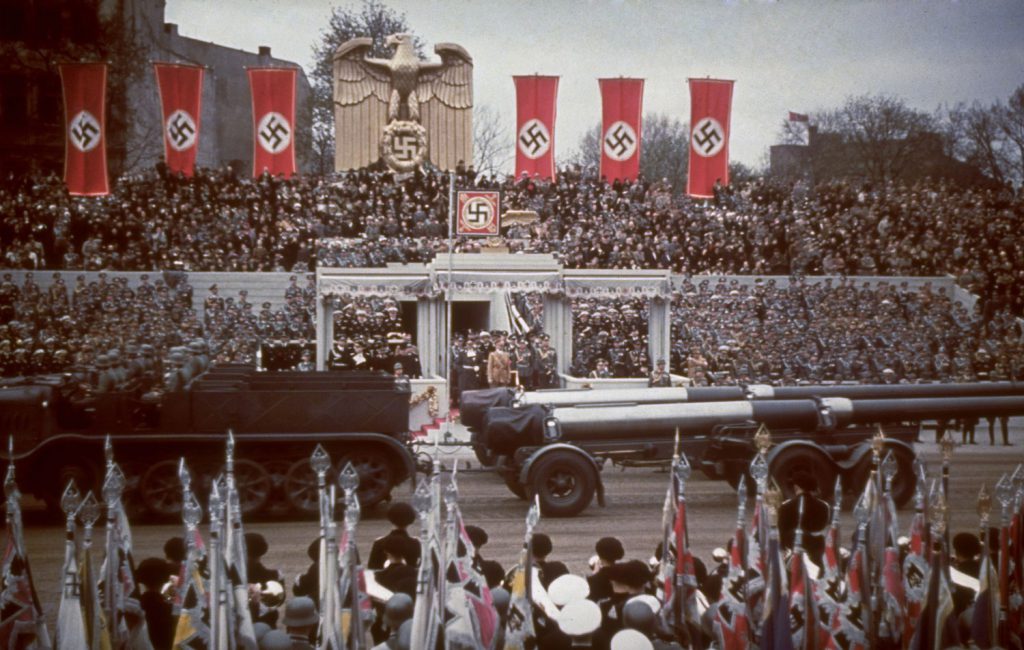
point(707, 136)
point(619, 141)
point(406, 147)
point(533, 139)
point(274, 133)
point(84, 131)
point(180, 130)
point(478, 214)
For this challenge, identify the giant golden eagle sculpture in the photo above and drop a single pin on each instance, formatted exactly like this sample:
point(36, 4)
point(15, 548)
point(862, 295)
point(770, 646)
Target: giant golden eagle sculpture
point(403, 110)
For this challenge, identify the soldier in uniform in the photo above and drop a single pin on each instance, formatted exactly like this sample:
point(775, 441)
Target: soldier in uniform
point(659, 378)
point(602, 371)
point(524, 362)
point(306, 364)
point(175, 379)
point(547, 365)
point(499, 366)
point(105, 380)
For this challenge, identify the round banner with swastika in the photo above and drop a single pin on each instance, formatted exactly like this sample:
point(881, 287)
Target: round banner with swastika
point(181, 130)
point(274, 132)
point(707, 137)
point(479, 213)
point(620, 141)
point(84, 131)
point(534, 139)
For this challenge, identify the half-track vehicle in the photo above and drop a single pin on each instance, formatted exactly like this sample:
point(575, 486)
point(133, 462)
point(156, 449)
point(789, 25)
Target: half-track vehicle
point(277, 419)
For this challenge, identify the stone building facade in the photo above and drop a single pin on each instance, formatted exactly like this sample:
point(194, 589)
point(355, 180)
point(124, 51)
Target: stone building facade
point(37, 34)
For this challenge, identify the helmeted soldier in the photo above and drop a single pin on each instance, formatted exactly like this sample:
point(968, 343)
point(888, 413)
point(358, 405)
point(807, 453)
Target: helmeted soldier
point(106, 381)
point(174, 378)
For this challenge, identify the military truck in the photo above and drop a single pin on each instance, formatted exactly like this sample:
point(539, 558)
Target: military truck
point(277, 418)
point(555, 445)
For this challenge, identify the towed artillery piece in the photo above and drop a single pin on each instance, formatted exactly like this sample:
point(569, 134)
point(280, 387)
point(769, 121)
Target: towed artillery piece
point(277, 419)
point(557, 452)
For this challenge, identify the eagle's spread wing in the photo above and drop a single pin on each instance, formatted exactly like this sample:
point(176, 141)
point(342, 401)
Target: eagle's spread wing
point(361, 93)
point(446, 106)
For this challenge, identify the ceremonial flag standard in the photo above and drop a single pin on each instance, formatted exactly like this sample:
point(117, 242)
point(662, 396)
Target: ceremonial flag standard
point(181, 92)
point(710, 108)
point(731, 625)
point(985, 621)
point(85, 150)
point(273, 119)
point(535, 126)
point(622, 103)
point(915, 573)
point(776, 631)
point(479, 214)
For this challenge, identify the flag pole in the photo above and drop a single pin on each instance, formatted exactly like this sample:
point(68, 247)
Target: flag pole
point(448, 303)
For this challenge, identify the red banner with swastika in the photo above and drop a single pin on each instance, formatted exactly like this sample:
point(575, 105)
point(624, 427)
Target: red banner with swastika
point(181, 93)
point(479, 214)
point(710, 107)
point(85, 148)
point(273, 120)
point(622, 102)
point(535, 126)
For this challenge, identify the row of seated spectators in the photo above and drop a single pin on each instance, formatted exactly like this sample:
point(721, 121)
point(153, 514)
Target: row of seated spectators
point(849, 330)
point(220, 221)
point(67, 328)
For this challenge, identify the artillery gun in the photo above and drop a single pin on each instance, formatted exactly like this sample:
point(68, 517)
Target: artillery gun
point(557, 452)
point(277, 418)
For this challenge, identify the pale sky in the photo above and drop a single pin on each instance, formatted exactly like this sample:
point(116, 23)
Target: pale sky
point(796, 55)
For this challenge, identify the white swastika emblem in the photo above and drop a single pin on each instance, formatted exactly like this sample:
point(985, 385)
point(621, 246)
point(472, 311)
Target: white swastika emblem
point(534, 139)
point(273, 132)
point(707, 137)
point(620, 141)
point(84, 131)
point(181, 130)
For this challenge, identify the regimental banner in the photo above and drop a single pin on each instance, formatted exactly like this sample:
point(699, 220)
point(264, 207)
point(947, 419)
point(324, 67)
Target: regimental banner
point(273, 119)
point(85, 150)
point(710, 106)
point(479, 214)
point(535, 126)
point(181, 92)
point(622, 102)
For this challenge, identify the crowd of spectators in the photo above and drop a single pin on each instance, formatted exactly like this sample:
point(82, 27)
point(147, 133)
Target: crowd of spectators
point(610, 338)
point(221, 221)
point(848, 330)
point(369, 334)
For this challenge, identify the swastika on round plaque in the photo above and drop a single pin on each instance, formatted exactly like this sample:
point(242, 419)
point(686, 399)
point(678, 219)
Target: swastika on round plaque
point(707, 137)
point(274, 132)
point(181, 130)
point(84, 131)
point(534, 139)
point(620, 141)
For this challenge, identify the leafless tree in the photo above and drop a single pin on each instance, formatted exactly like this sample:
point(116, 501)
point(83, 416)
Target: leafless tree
point(1010, 119)
point(664, 149)
point(492, 141)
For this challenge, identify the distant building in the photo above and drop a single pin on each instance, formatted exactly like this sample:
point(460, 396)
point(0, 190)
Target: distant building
point(130, 34)
point(826, 156)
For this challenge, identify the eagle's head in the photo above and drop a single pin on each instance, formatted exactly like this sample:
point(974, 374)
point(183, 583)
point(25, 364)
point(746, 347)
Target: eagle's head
point(398, 40)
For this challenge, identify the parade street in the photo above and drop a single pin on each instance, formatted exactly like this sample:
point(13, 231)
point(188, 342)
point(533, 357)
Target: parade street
point(633, 514)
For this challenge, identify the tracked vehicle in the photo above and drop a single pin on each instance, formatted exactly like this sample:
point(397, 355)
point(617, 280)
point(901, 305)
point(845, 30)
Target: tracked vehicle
point(277, 419)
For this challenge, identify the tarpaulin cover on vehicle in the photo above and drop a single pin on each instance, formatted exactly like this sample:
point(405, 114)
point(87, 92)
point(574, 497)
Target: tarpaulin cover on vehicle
point(474, 404)
point(507, 429)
